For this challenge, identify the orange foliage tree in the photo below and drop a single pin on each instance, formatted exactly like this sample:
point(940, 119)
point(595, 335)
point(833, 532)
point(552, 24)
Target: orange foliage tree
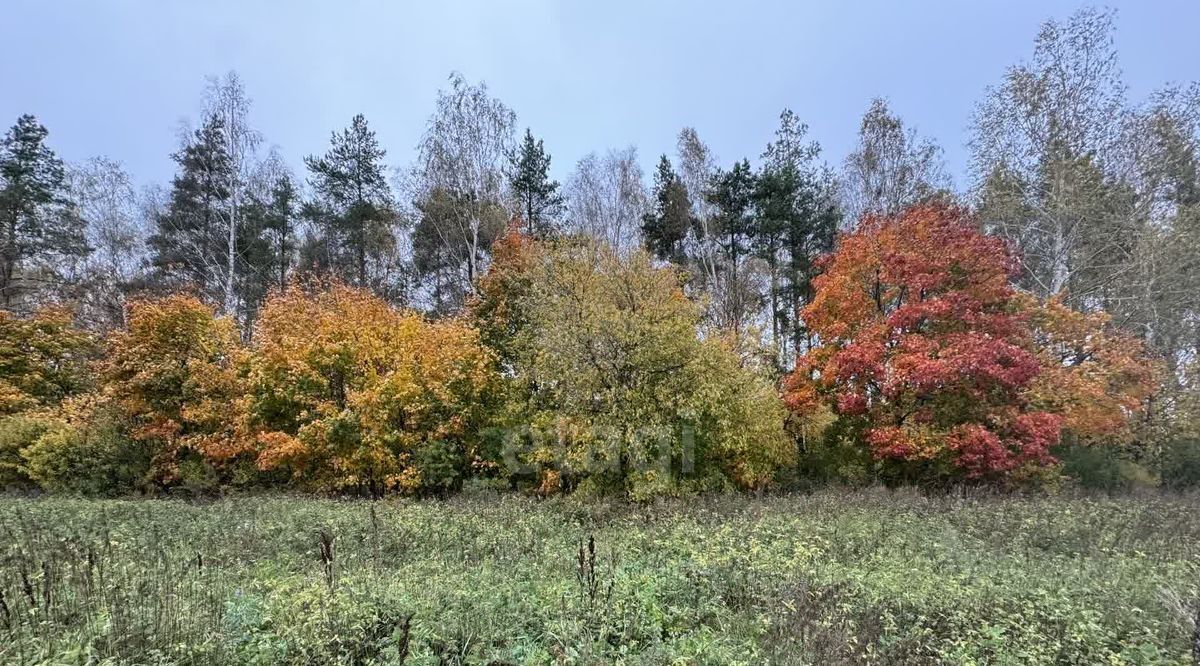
point(924, 342)
point(1096, 377)
point(174, 373)
point(348, 393)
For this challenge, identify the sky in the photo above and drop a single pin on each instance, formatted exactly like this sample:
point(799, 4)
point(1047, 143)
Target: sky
point(118, 78)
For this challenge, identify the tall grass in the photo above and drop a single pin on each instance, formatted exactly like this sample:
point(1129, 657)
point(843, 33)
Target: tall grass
point(869, 577)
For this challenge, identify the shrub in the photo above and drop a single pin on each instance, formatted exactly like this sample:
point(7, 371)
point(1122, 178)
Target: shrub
point(17, 433)
point(89, 456)
point(1103, 468)
point(830, 450)
point(1181, 464)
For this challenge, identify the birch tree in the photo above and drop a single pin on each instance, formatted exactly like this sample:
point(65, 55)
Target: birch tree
point(607, 198)
point(891, 168)
point(108, 204)
point(1049, 159)
point(225, 98)
point(468, 142)
point(697, 166)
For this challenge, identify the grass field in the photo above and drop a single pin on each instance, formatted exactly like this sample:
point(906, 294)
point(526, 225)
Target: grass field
point(870, 577)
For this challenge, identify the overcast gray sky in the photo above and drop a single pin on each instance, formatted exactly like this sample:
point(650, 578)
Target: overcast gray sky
point(115, 78)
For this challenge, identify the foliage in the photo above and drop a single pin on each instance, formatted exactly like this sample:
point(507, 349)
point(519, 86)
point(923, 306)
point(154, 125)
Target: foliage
point(829, 578)
point(17, 433)
point(464, 154)
point(352, 209)
point(38, 222)
point(500, 309)
point(190, 241)
point(1103, 468)
point(890, 168)
point(665, 226)
point(440, 238)
point(43, 359)
point(539, 201)
point(173, 374)
point(796, 224)
point(348, 393)
point(954, 372)
point(87, 450)
point(1095, 377)
point(1181, 464)
point(613, 381)
point(919, 335)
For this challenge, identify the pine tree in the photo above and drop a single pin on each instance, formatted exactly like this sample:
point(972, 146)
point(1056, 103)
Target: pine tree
point(735, 296)
point(190, 245)
point(280, 219)
point(353, 207)
point(796, 221)
point(538, 197)
point(38, 221)
point(665, 227)
point(266, 243)
point(732, 193)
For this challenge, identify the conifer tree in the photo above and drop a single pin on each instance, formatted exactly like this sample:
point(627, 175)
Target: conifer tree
point(37, 221)
point(665, 227)
point(190, 246)
point(353, 209)
point(538, 198)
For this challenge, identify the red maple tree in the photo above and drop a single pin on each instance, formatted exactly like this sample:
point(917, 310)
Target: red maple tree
point(920, 335)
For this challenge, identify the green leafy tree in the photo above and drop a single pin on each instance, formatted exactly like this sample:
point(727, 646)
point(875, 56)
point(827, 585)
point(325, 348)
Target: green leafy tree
point(616, 386)
point(38, 222)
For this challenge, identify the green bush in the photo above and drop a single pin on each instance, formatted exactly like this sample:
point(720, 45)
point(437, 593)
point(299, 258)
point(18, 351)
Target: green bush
point(90, 456)
point(17, 433)
point(830, 454)
point(1102, 468)
point(440, 466)
point(1181, 464)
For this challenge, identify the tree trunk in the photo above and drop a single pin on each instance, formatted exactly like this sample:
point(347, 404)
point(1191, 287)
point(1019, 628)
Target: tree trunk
point(231, 250)
point(775, 350)
point(10, 256)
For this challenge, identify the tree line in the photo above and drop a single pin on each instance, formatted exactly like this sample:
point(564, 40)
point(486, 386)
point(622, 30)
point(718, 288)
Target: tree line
point(1094, 198)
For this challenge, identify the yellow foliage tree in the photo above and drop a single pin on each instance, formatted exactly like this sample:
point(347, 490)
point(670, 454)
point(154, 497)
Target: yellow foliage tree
point(348, 393)
point(1095, 377)
point(174, 373)
point(43, 359)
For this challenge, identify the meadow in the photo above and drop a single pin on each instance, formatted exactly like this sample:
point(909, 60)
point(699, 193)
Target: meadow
point(874, 576)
